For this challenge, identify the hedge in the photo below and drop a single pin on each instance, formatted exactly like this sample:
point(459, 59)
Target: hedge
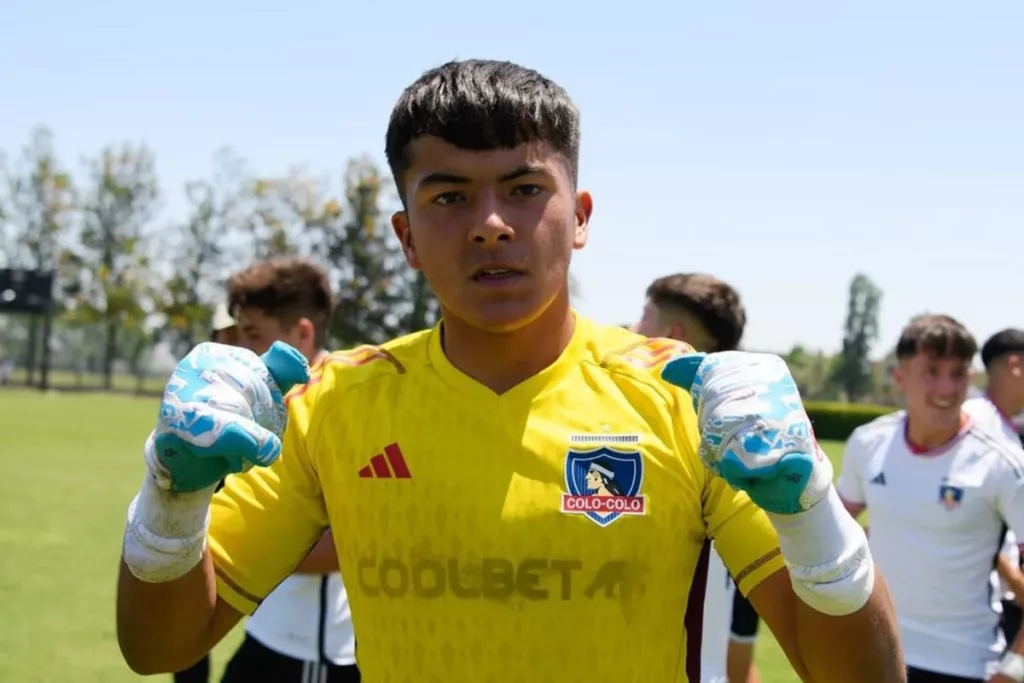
point(835, 421)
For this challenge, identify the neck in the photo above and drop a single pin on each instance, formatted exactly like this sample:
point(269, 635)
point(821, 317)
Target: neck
point(1003, 399)
point(501, 360)
point(926, 439)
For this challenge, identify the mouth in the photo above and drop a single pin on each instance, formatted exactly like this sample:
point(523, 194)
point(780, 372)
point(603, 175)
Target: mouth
point(497, 273)
point(942, 403)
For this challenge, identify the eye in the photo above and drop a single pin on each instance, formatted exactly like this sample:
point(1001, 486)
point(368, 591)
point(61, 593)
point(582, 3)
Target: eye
point(446, 198)
point(527, 190)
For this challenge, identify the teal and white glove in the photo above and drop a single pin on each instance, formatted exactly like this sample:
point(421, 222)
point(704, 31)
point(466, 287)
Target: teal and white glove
point(754, 430)
point(756, 435)
point(222, 412)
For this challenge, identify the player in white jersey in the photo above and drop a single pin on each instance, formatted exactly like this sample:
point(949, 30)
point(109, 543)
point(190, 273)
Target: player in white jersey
point(940, 490)
point(1003, 358)
point(302, 632)
point(707, 314)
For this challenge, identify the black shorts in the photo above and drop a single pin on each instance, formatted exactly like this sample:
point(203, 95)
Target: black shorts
point(197, 673)
point(744, 619)
point(254, 662)
point(922, 676)
point(1011, 620)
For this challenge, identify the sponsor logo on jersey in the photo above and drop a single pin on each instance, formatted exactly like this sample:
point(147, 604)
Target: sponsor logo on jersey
point(603, 484)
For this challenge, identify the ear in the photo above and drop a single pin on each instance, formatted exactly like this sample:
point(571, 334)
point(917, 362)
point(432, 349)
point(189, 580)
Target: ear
point(305, 333)
point(584, 207)
point(1013, 364)
point(897, 376)
point(400, 224)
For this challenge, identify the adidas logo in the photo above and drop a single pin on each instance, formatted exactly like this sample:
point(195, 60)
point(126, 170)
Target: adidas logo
point(387, 465)
point(879, 479)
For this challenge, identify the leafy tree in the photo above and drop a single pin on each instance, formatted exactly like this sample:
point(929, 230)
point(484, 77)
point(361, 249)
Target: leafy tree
point(37, 212)
point(379, 296)
point(855, 372)
point(113, 286)
point(200, 253)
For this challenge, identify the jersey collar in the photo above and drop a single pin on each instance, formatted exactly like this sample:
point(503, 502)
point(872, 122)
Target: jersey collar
point(524, 392)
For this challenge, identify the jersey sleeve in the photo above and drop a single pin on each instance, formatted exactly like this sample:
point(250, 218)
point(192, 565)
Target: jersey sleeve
point(744, 537)
point(264, 522)
point(850, 485)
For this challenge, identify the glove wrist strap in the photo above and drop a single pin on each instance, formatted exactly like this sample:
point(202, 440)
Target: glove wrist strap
point(827, 554)
point(166, 532)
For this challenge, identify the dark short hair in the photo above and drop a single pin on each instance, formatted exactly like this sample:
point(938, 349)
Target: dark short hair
point(936, 335)
point(1001, 344)
point(712, 302)
point(481, 105)
point(286, 289)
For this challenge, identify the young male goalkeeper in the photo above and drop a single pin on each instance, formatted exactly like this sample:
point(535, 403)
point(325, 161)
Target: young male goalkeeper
point(518, 493)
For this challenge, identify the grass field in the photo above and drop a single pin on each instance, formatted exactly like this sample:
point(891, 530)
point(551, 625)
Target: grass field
point(71, 463)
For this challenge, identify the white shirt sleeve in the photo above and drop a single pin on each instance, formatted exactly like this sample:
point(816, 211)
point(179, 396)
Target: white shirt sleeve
point(850, 485)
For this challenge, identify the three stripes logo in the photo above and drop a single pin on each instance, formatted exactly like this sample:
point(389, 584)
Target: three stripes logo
point(387, 465)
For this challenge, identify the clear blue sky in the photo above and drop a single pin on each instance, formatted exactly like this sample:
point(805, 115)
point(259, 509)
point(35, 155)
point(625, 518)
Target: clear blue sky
point(783, 146)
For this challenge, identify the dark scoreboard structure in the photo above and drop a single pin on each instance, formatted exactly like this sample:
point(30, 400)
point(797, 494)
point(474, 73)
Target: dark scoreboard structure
point(30, 292)
point(25, 291)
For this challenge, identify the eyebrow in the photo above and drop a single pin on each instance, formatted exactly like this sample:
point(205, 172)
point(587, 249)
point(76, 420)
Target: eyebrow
point(453, 179)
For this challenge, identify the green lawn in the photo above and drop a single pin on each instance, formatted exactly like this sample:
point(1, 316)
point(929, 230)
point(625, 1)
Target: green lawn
point(71, 463)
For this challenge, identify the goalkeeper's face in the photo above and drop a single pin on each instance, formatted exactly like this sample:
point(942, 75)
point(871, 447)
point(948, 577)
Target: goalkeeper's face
point(492, 231)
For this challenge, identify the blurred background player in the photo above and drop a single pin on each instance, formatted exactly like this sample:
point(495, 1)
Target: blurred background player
point(941, 490)
point(1002, 355)
point(707, 314)
point(302, 632)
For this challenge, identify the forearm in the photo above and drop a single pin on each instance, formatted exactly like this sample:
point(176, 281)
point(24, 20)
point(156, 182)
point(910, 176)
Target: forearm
point(165, 627)
point(839, 597)
point(166, 590)
point(877, 656)
point(322, 559)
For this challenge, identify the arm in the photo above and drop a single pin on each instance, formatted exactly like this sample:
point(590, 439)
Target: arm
point(176, 598)
point(1011, 574)
point(1008, 483)
point(322, 559)
point(187, 606)
point(739, 662)
point(811, 618)
point(816, 643)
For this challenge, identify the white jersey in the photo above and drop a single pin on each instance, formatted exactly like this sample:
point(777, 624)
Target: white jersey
point(290, 619)
point(983, 411)
point(937, 521)
point(714, 643)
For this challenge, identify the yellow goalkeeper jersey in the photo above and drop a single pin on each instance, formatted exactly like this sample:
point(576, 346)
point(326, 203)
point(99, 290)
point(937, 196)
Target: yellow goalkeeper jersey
point(556, 532)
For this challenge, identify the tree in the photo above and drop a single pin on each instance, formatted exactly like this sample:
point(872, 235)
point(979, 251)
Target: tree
point(278, 212)
point(854, 371)
point(379, 296)
point(199, 253)
point(113, 285)
point(37, 213)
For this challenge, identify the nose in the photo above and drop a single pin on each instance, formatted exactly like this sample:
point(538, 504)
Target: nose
point(489, 225)
point(946, 386)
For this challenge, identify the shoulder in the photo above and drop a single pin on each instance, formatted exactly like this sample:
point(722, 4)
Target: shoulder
point(980, 408)
point(630, 356)
point(996, 450)
point(350, 368)
point(874, 433)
